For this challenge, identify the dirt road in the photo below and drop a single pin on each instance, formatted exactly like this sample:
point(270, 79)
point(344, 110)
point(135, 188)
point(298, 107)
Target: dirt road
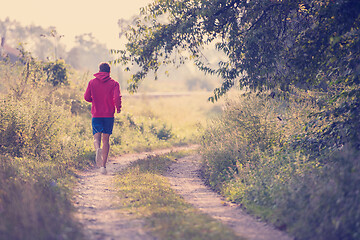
point(96, 209)
point(95, 198)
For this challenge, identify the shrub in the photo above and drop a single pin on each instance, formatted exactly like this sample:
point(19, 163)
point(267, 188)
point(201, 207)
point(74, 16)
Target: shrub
point(257, 162)
point(324, 203)
point(40, 145)
point(162, 133)
point(139, 133)
point(37, 128)
point(250, 127)
point(32, 206)
point(56, 72)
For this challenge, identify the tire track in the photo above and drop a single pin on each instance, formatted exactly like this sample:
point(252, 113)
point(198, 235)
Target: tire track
point(184, 177)
point(95, 202)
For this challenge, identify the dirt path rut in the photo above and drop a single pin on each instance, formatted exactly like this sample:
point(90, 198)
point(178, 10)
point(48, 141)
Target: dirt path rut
point(95, 198)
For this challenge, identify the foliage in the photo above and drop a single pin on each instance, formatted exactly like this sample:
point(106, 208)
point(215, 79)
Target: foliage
point(249, 156)
point(323, 203)
point(45, 44)
point(162, 133)
point(136, 133)
point(277, 45)
point(142, 189)
point(35, 74)
point(39, 149)
point(56, 72)
point(34, 127)
point(250, 129)
point(41, 144)
point(23, 75)
point(32, 205)
point(254, 35)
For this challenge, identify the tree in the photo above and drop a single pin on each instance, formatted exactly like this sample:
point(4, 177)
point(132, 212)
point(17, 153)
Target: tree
point(56, 72)
point(42, 42)
point(55, 36)
point(269, 44)
point(87, 53)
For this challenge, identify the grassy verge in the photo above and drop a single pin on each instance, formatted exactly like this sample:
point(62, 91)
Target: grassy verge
point(147, 123)
point(259, 155)
point(144, 191)
point(39, 149)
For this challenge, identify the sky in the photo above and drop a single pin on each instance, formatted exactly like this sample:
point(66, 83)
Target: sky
point(74, 17)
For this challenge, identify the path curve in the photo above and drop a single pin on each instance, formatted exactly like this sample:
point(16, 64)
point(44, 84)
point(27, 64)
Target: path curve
point(184, 177)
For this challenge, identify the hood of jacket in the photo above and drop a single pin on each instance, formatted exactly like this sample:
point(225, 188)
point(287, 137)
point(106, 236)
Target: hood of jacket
point(103, 76)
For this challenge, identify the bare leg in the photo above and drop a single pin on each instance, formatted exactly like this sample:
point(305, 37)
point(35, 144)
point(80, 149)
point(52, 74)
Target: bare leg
point(106, 147)
point(97, 140)
point(97, 145)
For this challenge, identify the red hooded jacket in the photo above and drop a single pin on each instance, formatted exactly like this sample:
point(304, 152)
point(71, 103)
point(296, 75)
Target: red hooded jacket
point(104, 94)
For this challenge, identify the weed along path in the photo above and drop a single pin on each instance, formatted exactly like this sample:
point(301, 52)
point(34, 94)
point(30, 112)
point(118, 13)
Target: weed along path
point(184, 178)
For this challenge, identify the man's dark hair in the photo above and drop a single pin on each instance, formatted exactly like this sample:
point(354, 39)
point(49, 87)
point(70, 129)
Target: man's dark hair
point(104, 67)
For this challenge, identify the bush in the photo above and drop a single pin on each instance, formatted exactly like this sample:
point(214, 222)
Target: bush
point(37, 128)
point(162, 133)
point(139, 133)
point(324, 203)
point(56, 73)
point(248, 129)
point(32, 206)
point(251, 159)
point(41, 143)
point(39, 147)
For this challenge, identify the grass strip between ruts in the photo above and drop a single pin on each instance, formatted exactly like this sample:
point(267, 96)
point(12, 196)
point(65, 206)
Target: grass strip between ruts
point(144, 191)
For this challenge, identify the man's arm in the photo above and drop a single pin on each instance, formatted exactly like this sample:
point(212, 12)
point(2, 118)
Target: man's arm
point(87, 94)
point(117, 97)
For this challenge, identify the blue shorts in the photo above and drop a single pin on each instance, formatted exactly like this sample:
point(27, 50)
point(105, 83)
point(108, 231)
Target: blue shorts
point(103, 125)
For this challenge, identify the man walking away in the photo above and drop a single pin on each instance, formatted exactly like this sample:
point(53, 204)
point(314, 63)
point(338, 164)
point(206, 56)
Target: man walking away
point(104, 94)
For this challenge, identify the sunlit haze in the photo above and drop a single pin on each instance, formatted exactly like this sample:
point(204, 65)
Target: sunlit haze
point(74, 17)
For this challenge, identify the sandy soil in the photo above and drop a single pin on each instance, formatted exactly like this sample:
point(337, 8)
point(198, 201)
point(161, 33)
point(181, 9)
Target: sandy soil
point(95, 198)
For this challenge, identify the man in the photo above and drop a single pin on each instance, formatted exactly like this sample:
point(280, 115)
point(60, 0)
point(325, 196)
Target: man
point(104, 94)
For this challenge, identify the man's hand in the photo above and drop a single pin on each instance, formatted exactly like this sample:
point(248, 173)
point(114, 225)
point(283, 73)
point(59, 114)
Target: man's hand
point(118, 111)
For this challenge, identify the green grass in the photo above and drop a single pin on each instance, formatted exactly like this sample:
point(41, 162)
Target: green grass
point(144, 191)
point(184, 113)
point(148, 123)
point(41, 144)
point(259, 161)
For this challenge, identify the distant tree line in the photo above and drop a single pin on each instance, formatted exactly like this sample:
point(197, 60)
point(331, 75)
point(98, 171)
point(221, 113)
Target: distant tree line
point(46, 44)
